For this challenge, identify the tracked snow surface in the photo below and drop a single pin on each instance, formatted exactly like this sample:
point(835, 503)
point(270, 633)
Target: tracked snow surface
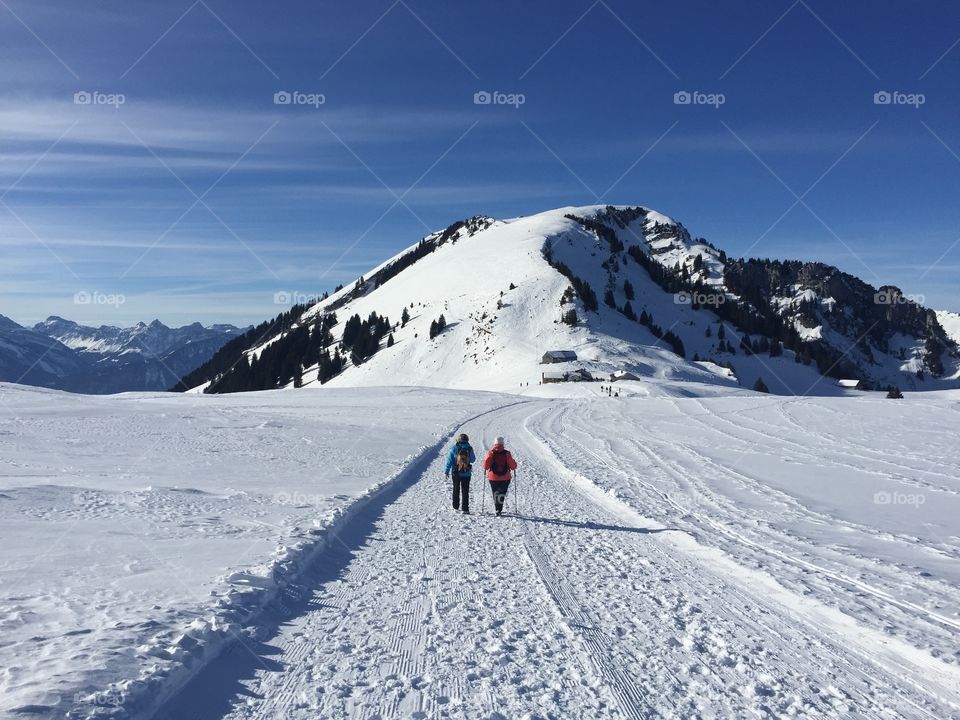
point(282, 554)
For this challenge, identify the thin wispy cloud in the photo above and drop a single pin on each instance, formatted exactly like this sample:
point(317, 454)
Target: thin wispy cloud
point(308, 124)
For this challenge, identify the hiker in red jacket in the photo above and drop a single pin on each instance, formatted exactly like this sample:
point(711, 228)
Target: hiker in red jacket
point(499, 465)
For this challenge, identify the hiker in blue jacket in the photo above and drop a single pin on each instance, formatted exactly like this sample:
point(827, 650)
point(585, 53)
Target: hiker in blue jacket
point(460, 463)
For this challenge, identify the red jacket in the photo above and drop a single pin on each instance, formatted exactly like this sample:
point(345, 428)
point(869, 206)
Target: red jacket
point(488, 464)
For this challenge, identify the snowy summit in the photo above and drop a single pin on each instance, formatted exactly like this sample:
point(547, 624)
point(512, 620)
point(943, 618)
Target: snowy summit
point(625, 290)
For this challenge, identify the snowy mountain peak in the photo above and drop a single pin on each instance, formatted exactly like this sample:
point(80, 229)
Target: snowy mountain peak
point(628, 290)
point(7, 323)
point(63, 354)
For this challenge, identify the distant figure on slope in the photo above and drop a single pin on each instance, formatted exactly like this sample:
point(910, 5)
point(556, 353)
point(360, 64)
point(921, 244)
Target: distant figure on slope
point(499, 464)
point(460, 463)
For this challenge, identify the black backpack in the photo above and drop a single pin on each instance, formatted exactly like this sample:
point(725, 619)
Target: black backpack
point(463, 459)
point(498, 463)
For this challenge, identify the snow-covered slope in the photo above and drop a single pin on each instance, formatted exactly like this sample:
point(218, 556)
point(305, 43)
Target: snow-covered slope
point(627, 289)
point(950, 321)
point(496, 336)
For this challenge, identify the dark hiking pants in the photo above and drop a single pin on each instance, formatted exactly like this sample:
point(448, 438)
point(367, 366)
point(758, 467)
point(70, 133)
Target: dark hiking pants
point(461, 484)
point(499, 488)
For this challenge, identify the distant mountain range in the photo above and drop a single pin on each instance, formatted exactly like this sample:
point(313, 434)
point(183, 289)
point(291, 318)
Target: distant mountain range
point(65, 355)
point(627, 289)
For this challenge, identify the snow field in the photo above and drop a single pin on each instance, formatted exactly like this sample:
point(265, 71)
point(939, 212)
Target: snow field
point(143, 532)
point(575, 604)
point(283, 554)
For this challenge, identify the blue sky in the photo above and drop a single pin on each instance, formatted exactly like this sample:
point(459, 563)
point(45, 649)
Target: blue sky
point(200, 198)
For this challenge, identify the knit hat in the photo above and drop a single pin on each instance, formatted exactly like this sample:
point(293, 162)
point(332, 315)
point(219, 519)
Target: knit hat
point(499, 440)
point(463, 438)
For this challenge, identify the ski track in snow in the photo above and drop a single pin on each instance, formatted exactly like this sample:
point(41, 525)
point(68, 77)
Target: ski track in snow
point(570, 606)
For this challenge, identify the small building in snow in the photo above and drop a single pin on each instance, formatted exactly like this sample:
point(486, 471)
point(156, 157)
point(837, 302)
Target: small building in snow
point(558, 356)
point(553, 377)
point(622, 375)
point(580, 375)
point(851, 384)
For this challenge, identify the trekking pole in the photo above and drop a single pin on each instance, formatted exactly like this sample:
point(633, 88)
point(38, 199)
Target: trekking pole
point(517, 499)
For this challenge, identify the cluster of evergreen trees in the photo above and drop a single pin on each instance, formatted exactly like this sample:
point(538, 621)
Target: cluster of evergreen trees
point(602, 230)
point(423, 248)
point(582, 287)
point(283, 360)
point(328, 365)
point(678, 279)
point(752, 313)
point(621, 217)
point(756, 282)
point(669, 337)
point(362, 337)
point(857, 312)
point(437, 326)
point(280, 362)
point(232, 352)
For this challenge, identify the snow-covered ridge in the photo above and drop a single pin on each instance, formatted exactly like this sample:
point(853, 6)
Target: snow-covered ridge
point(154, 339)
point(63, 354)
point(626, 288)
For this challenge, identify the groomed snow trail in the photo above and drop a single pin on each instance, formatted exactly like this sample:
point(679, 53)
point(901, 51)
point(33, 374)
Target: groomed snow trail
point(565, 608)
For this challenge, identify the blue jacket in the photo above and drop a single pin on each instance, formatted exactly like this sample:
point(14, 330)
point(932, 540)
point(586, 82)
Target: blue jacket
point(452, 458)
